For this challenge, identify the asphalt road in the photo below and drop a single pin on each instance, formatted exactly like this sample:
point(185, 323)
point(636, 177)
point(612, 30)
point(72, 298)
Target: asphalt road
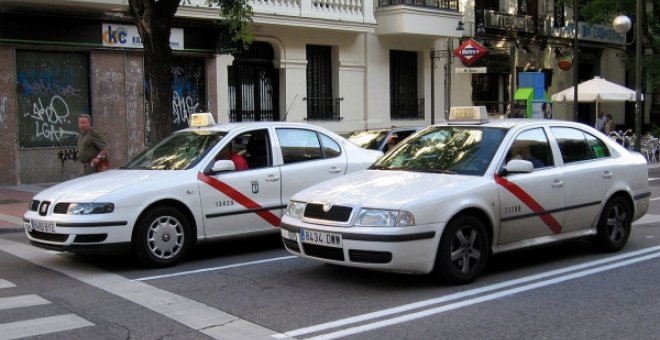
point(253, 289)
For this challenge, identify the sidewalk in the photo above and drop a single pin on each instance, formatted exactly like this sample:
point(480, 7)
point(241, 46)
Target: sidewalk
point(14, 202)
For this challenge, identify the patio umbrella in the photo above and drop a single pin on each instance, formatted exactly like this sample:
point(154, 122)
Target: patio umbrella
point(596, 90)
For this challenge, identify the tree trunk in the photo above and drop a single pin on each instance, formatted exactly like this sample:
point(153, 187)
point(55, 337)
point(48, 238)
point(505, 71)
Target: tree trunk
point(154, 21)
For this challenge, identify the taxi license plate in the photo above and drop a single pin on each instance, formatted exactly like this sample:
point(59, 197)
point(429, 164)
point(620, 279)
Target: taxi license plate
point(320, 238)
point(44, 226)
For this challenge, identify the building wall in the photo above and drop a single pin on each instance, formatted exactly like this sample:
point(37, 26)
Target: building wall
point(8, 118)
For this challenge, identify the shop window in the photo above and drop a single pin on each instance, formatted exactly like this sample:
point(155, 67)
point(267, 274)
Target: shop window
point(53, 89)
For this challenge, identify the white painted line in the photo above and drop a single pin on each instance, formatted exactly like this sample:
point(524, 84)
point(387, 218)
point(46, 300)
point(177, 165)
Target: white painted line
point(22, 301)
point(196, 315)
point(460, 295)
point(6, 284)
point(481, 299)
point(655, 198)
point(41, 326)
point(236, 265)
point(653, 178)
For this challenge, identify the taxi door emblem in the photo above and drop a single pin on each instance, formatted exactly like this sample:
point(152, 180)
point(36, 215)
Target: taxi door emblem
point(255, 187)
point(327, 206)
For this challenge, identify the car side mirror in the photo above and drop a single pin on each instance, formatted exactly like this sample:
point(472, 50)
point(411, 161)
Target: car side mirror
point(223, 165)
point(516, 166)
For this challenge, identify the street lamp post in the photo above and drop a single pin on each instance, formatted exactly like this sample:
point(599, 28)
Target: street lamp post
point(439, 54)
point(622, 25)
point(435, 55)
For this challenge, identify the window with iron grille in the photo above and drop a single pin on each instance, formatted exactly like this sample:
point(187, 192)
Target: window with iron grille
point(404, 103)
point(321, 105)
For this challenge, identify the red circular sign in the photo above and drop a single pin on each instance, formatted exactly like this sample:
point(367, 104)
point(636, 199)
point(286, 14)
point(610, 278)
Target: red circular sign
point(470, 51)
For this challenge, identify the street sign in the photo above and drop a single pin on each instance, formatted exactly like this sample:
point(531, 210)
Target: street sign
point(471, 70)
point(470, 51)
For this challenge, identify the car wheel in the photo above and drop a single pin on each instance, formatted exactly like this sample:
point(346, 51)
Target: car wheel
point(162, 237)
point(614, 224)
point(463, 251)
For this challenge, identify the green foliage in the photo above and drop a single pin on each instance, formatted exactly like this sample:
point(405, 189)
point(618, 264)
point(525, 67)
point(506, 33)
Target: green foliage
point(237, 14)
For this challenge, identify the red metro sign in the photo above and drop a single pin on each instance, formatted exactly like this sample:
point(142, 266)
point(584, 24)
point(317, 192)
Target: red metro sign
point(470, 51)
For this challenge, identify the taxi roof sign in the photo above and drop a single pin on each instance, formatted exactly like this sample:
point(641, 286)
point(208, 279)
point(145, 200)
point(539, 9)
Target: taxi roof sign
point(201, 119)
point(468, 115)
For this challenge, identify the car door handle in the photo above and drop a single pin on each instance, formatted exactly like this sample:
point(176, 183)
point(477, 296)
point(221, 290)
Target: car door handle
point(557, 183)
point(607, 174)
point(334, 170)
point(272, 178)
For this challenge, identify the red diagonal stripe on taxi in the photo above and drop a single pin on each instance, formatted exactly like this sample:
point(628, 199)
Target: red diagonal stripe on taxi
point(240, 198)
point(519, 192)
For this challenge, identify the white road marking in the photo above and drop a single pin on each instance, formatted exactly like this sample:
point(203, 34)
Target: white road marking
point(481, 299)
point(462, 295)
point(6, 284)
point(236, 265)
point(40, 326)
point(22, 301)
point(196, 315)
point(653, 178)
point(655, 198)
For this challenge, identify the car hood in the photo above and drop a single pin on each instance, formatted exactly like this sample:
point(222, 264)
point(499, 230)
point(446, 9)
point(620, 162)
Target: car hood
point(387, 189)
point(92, 187)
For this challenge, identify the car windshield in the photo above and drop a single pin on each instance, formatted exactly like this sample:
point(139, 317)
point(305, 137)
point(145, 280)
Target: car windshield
point(179, 151)
point(370, 139)
point(465, 150)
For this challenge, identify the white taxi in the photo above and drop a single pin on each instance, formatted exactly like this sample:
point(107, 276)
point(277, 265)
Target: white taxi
point(177, 192)
point(444, 200)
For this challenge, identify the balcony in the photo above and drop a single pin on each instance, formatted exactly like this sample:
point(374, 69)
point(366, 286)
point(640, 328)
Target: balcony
point(418, 17)
point(352, 15)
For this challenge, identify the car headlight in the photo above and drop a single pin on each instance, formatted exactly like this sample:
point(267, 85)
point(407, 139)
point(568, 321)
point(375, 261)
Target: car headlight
point(90, 208)
point(295, 209)
point(384, 218)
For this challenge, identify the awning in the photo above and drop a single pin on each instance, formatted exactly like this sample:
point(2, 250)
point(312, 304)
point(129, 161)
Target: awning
point(524, 94)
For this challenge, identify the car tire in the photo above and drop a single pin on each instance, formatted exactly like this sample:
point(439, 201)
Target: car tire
point(463, 251)
point(614, 225)
point(162, 237)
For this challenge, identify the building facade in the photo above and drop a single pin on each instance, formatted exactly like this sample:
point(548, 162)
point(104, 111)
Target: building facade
point(342, 64)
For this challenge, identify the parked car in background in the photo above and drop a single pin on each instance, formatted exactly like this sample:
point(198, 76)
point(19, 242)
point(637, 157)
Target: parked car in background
point(180, 191)
point(381, 139)
point(447, 198)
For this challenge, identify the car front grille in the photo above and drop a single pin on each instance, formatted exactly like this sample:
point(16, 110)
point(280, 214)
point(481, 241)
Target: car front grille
point(61, 208)
point(336, 213)
point(34, 205)
point(330, 253)
point(48, 236)
point(291, 245)
point(367, 256)
point(90, 238)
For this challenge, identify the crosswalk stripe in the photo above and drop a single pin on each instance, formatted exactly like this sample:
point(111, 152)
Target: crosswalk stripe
point(6, 284)
point(40, 326)
point(22, 301)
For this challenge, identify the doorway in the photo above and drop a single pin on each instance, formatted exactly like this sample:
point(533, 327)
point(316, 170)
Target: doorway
point(254, 85)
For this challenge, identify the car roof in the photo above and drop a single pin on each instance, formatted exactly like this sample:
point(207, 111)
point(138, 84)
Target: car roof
point(233, 126)
point(508, 123)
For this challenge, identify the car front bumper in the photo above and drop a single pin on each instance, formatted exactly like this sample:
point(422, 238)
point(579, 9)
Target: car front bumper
point(409, 249)
point(81, 234)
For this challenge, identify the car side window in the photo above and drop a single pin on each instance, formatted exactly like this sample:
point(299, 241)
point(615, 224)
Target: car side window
point(330, 148)
point(532, 145)
point(577, 146)
point(299, 145)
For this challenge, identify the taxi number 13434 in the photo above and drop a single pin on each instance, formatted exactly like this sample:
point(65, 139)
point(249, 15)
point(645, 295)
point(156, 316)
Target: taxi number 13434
point(320, 238)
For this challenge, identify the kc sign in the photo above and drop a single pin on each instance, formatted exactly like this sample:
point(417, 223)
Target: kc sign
point(470, 51)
